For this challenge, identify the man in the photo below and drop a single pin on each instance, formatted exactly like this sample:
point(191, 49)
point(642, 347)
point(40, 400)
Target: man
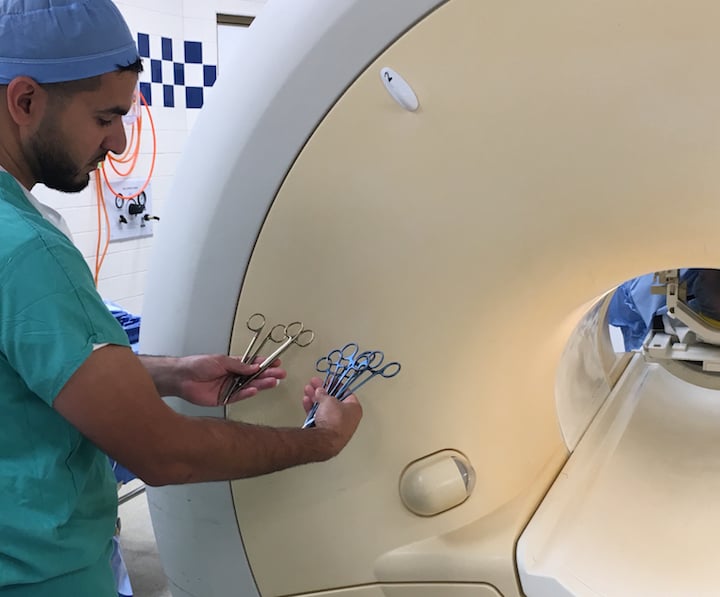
point(71, 390)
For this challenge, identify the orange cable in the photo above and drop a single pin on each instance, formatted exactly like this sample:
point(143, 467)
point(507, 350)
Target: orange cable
point(127, 156)
point(152, 163)
point(100, 199)
point(100, 259)
point(98, 183)
point(107, 234)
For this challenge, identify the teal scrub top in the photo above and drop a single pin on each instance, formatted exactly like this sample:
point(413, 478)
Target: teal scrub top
point(58, 497)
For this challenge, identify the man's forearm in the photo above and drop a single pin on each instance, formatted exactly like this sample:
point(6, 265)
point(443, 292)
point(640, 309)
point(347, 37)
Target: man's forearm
point(216, 449)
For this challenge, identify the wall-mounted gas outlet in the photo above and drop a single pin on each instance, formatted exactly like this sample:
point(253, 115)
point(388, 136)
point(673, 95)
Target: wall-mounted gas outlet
point(130, 213)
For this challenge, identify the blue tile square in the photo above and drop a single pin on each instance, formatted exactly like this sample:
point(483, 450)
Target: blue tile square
point(144, 45)
point(166, 48)
point(209, 75)
point(146, 90)
point(193, 97)
point(193, 52)
point(168, 96)
point(156, 71)
point(179, 69)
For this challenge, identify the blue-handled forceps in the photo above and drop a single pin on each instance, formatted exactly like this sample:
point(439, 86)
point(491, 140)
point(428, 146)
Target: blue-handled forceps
point(347, 370)
point(337, 364)
point(364, 375)
point(284, 335)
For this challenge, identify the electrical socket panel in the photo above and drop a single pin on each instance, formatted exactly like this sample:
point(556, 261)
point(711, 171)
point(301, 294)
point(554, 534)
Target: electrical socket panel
point(129, 218)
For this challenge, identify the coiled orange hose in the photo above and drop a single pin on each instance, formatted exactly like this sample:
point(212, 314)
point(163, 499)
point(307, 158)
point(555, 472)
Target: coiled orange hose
point(130, 156)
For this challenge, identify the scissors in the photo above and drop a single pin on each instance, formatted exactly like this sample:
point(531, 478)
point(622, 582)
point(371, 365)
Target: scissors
point(349, 387)
point(284, 335)
point(256, 324)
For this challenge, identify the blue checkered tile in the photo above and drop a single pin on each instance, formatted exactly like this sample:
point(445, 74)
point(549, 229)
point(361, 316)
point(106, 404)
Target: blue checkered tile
point(174, 72)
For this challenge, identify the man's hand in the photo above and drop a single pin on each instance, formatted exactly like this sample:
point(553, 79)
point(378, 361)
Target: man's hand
point(199, 379)
point(339, 418)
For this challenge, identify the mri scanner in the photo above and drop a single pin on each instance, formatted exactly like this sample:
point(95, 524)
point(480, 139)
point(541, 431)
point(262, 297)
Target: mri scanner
point(469, 211)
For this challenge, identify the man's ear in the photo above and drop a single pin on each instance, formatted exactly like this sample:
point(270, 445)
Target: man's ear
point(26, 101)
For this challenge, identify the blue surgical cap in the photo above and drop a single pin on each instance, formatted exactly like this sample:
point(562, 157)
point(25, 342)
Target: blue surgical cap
point(62, 40)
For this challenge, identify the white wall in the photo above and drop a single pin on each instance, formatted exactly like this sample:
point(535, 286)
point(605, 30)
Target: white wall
point(123, 275)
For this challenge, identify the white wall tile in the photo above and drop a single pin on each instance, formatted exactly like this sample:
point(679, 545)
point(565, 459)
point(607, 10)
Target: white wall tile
point(81, 219)
point(210, 49)
point(125, 262)
point(166, 164)
point(249, 8)
point(146, 20)
point(132, 304)
point(194, 75)
point(171, 141)
point(178, 43)
point(86, 242)
point(161, 6)
point(168, 72)
point(161, 188)
point(115, 288)
point(198, 10)
point(165, 6)
point(204, 30)
point(166, 118)
point(155, 47)
point(192, 116)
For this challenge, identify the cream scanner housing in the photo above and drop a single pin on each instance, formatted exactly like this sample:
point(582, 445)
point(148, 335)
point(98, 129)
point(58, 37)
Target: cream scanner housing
point(559, 148)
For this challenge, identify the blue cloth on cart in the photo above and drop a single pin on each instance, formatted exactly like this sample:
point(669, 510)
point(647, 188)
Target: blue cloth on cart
point(129, 322)
point(122, 475)
point(632, 309)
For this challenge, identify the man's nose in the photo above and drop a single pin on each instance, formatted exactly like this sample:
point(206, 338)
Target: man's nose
point(116, 141)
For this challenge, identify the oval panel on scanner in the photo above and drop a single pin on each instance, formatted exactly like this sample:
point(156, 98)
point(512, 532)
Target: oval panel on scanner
point(437, 483)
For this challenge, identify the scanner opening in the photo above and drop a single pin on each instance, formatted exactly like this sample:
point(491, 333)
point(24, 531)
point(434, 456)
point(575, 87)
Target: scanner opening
point(673, 318)
point(669, 317)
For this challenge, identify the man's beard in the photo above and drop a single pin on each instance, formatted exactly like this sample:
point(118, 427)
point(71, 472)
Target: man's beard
point(53, 165)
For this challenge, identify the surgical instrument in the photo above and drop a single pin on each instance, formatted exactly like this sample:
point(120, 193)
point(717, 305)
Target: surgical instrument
point(284, 335)
point(340, 362)
point(347, 370)
point(256, 324)
point(350, 386)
